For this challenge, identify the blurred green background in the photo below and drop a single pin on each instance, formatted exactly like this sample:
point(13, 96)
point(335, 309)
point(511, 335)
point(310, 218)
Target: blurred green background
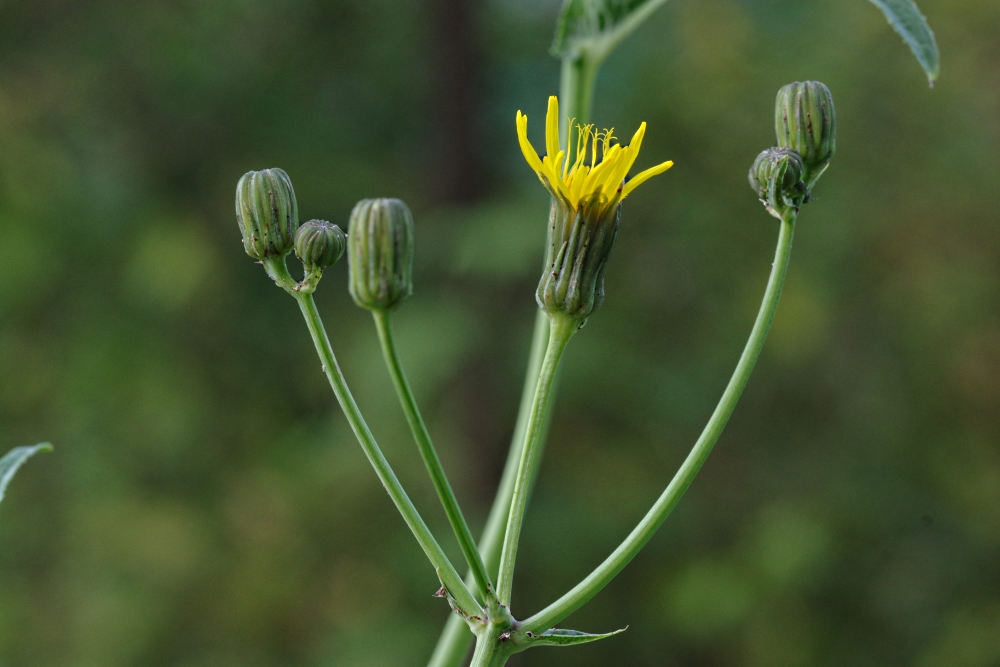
point(207, 505)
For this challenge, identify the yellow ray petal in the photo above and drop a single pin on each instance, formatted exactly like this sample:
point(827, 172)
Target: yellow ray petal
point(644, 176)
point(552, 126)
point(551, 172)
point(529, 151)
point(576, 190)
point(613, 177)
point(598, 173)
point(636, 142)
point(550, 165)
point(634, 146)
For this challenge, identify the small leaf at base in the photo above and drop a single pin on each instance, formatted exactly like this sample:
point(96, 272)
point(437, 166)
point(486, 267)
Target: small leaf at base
point(557, 637)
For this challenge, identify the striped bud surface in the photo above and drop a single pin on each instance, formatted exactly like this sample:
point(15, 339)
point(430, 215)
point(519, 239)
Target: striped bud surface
point(319, 244)
point(380, 241)
point(267, 213)
point(805, 119)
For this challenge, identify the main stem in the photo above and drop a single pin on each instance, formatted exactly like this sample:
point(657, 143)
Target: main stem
point(450, 578)
point(560, 331)
point(488, 654)
point(453, 645)
point(576, 92)
point(438, 477)
point(628, 549)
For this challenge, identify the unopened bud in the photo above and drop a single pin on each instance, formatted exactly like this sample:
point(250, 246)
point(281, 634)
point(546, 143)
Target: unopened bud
point(380, 253)
point(805, 119)
point(579, 244)
point(776, 177)
point(319, 244)
point(267, 213)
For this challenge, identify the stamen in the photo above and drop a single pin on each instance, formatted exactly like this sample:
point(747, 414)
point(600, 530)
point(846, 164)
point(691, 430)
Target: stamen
point(608, 136)
point(569, 139)
point(582, 139)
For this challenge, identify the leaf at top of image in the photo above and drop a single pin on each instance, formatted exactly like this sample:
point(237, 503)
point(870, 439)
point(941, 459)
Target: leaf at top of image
point(599, 24)
point(905, 17)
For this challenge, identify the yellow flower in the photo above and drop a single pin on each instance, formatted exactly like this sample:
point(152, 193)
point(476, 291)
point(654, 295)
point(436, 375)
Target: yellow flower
point(578, 182)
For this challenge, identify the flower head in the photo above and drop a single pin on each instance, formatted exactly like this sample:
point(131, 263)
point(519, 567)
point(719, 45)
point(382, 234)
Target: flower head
point(598, 168)
point(587, 187)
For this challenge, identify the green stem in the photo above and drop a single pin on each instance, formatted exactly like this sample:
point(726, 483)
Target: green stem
point(560, 331)
point(496, 524)
point(487, 654)
point(453, 645)
point(576, 93)
point(455, 517)
point(450, 578)
point(628, 549)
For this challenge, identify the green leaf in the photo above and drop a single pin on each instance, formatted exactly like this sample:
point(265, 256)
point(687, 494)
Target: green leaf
point(598, 26)
point(557, 637)
point(13, 460)
point(905, 17)
point(595, 27)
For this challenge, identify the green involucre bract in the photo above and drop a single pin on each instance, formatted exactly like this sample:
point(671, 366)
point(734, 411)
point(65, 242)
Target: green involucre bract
point(805, 119)
point(267, 213)
point(380, 253)
point(319, 244)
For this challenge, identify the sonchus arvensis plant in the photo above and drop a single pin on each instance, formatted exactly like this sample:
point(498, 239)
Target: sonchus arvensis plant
point(588, 173)
point(587, 176)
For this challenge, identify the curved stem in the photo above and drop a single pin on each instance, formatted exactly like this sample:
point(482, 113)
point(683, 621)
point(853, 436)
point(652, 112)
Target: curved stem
point(607, 571)
point(438, 477)
point(450, 578)
point(560, 331)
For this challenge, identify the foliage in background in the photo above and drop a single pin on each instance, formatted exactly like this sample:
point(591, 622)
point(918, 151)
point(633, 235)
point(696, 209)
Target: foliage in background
point(206, 509)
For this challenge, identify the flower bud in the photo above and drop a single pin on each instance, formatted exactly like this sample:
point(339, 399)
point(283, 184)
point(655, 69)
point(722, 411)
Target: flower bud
point(580, 242)
point(267, 213)
point(776, 177)
point(318, 244)
point(804, 119)
point(380, 253)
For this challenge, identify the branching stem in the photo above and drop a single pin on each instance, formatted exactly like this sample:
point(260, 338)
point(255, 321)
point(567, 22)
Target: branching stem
point(449, 577)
